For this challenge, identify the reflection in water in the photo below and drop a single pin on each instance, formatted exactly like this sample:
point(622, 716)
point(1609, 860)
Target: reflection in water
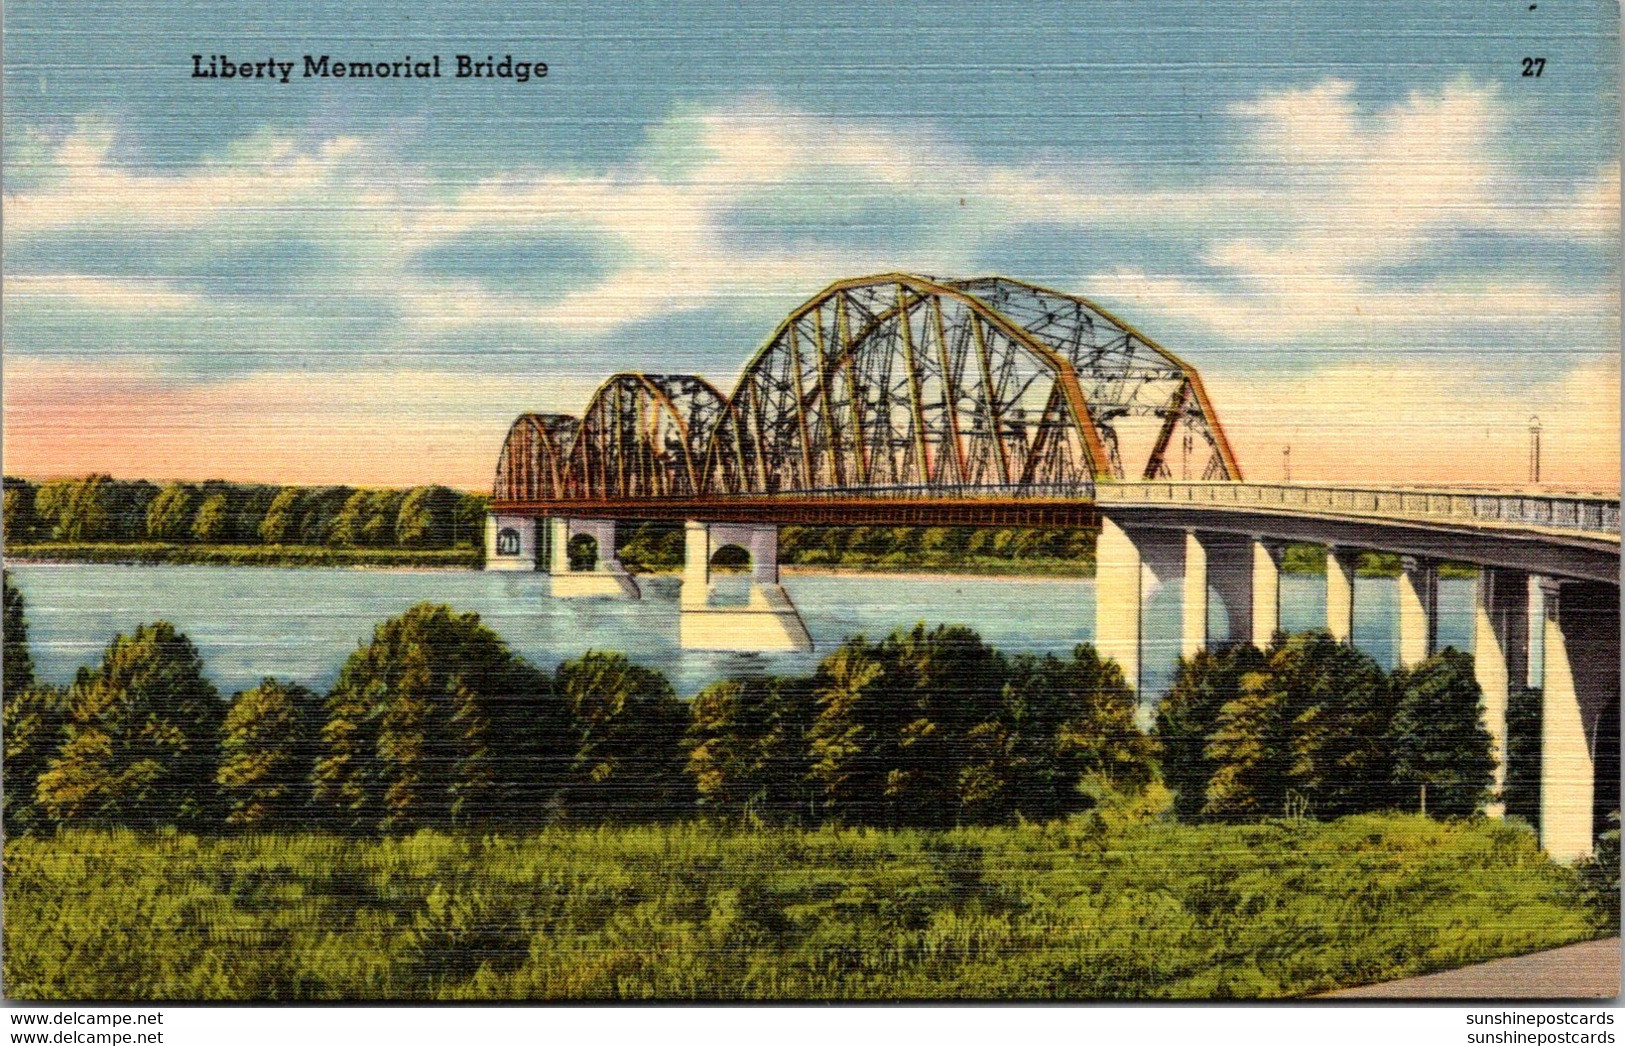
point(301, 624)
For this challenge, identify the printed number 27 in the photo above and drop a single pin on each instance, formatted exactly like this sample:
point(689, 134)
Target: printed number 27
point(1533, 66)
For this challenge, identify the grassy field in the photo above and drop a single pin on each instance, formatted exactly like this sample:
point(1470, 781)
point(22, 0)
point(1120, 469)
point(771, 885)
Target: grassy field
point(241, 555)
point(1070, 910)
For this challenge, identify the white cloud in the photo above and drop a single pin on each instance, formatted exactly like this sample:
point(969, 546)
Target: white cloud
point(1289, 237)
point(115, 295)
point(1294, 307)
point(82, 184)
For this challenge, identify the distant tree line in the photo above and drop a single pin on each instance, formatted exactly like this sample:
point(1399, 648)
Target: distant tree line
point(436, 723)
point(99, 508)
point(1051, 550)
point(659, 546)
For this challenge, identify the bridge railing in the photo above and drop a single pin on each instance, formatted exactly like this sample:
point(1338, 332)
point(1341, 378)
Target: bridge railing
point(1592, 514)
point(936, 492)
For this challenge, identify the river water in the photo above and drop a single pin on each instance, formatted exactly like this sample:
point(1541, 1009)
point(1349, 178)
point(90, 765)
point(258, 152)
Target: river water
point(300, 624)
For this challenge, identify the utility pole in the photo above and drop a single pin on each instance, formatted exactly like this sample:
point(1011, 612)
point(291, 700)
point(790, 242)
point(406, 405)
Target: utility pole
point(1534, 449)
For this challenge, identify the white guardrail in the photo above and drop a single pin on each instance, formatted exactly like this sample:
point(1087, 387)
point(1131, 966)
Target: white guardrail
point(1595, 514)
point(1592, 514)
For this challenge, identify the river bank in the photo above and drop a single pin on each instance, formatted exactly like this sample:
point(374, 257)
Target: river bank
point(176, 554)
point(1299, 560)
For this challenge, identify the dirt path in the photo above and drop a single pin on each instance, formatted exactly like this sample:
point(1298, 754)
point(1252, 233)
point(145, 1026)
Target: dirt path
point(1579, 971)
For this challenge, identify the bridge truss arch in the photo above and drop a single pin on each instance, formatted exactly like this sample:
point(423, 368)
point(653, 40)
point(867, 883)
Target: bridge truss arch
point(1150, 407)
point(646, 436)
point(900, 382)
point(534, 463)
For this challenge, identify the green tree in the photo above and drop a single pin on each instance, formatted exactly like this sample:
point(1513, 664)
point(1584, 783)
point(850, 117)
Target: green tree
point(15, 660)
point(435, 723)
point(268, 748)
point(169, 517)
point(213, 523)
point(1599, 878)
point(1250, 752)
point(468, 522)
point(582, 551)
point(141, 737)
point(127, 502)
point(248, 506)
point(34, 718)
point(50, 501)
point(1303, 735)
point(748, 755)
point(1188, 716)
point(910, 730)
point(319, 508)
point(946, 687)
point(651, 546)
point(853, 741)
point(281, 523)
point(360, 521)
point(426, 518)
point(628, 728)
point(944, 544)
point(1521, 791)
point(1341, 702)
point(35, 724)
point(1074, 735)
point(1441, 751)
point(84, 515)
point(383, 511)
point(21, 523)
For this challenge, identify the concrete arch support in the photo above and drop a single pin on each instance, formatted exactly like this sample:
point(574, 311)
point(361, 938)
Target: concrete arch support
point(767, 622)
point(1266, 595)
point(510, 542)
point(605, 577)
point(1133, 563)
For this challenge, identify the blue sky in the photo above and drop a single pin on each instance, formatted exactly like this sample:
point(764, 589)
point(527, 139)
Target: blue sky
point(1376, 239)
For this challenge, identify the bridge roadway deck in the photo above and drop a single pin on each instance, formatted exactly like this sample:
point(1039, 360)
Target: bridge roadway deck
point(1541, 532)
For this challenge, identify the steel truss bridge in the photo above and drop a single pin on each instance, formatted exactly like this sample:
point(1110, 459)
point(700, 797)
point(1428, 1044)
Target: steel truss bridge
point(902, 399)
point(973, 393)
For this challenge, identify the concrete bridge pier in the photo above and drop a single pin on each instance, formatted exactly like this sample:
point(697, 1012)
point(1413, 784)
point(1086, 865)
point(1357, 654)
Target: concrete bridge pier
point(510, 542)
point(767, 621)
point(1341, 564)
point(1221, 565)
point(1132, 563)
point(606, 577)
point(1418, 610)
point(1266, 595)
point(1500, 659)
point(1580, 692)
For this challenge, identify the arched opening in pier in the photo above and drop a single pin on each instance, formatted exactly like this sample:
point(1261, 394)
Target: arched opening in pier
point(730, 576)
point(583, 552)
point(730, 559)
